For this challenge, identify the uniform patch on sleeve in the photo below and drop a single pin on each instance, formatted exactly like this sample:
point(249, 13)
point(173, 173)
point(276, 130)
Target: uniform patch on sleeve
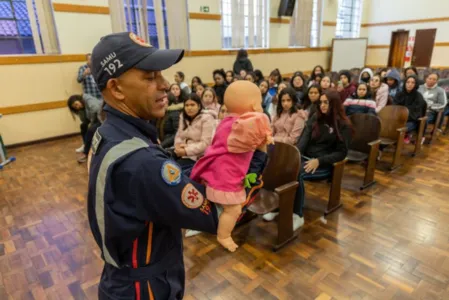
point(191, 197)
point(171, 173)
point(96, 141)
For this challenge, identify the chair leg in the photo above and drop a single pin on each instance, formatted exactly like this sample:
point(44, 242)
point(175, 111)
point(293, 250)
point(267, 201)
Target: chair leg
point(446, 129)
point(397, 154)
point(418, 145)
point(371, 167)
point(335, 190)
point(285, 220)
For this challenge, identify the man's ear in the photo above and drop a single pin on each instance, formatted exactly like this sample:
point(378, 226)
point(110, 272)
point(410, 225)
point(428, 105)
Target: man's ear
point(115, 89)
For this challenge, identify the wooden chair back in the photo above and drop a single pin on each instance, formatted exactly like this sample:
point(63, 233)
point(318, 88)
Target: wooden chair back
point(392, 118)
point(284, 163)
point(366, 130)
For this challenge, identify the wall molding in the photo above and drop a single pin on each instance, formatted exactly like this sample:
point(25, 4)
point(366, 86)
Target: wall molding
point(280, 20)
point(81, 9)
point(429, 20)
point(202, 16)
point(253, 51)
point(41, 59)
point(378, 46)
point(20, 109)
point(331, 24)
point(441, 44)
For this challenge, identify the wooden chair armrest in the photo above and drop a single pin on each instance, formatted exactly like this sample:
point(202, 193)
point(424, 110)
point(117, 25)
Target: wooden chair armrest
point(423, 118)
point(341, 163)
point(374, 142)
point(286, 187)
point(403, 129)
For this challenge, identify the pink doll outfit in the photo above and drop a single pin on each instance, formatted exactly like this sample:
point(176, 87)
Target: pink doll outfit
point(225, 163)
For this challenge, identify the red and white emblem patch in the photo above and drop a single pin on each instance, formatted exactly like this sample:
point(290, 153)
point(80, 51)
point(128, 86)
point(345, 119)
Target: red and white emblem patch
point(138, 40)
point(191, 197)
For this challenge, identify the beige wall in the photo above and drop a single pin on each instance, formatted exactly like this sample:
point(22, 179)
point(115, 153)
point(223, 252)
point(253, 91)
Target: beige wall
point(330, 10)
point(401, 10)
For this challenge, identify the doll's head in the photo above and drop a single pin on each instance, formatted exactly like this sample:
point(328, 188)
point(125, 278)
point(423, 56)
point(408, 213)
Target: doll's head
point(241, 97)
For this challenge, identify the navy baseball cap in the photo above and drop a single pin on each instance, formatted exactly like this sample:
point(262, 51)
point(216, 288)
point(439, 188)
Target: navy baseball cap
point(119, 52)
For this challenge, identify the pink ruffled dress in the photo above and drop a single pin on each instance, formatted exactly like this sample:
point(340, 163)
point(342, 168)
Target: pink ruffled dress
point(225, 163)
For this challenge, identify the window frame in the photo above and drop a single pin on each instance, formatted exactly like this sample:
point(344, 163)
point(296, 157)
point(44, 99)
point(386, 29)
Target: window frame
point(349, 18)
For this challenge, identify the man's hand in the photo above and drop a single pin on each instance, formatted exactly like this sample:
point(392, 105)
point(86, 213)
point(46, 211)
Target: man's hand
point(311, 165)
point(86, 72)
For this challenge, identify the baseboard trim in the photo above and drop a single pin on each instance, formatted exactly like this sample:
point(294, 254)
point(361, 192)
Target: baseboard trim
point(41, 141)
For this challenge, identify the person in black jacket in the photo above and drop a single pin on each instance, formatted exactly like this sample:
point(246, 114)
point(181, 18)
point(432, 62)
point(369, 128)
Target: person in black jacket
point(242, 62)
point(324, 141)
point(220, 84)
point(409, 71)
point(414, 101)
point(298, 83)
point(170, 123)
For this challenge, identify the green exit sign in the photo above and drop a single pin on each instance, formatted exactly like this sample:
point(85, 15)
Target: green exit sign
point(204, 9)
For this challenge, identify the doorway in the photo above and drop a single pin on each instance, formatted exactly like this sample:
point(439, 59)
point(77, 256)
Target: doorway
point(398, 47)
point(423, 49)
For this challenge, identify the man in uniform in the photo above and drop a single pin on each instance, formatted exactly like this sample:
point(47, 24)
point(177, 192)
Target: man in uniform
point(138, 199)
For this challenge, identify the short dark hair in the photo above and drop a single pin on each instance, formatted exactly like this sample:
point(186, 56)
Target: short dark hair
point(292, 94)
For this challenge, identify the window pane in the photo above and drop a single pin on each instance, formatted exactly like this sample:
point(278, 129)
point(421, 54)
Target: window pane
point(8, 28)
point(5, 10)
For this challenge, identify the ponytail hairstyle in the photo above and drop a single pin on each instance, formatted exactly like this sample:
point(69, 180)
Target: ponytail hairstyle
point(276, 73)
point(334, 118)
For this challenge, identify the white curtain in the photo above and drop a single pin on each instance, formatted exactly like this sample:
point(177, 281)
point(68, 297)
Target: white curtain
point(46, 40)
point(249, 23)
point(177, 23)
point(118, 18)
point(301, 23)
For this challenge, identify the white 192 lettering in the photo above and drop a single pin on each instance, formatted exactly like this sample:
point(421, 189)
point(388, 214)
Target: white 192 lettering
point(112, 68)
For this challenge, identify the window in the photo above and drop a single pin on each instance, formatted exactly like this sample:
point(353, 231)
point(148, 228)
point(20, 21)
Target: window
point(252, 15)
point(349, 18)
point(315, 32)
point(305, 24)
point(132, 15)
point(16, 36)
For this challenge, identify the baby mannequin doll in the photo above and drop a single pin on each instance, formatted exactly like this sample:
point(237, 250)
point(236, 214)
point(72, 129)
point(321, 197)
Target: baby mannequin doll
point(225, 163)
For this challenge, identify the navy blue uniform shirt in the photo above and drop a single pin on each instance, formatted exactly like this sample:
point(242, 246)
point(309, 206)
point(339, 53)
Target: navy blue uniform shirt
point(138, 202)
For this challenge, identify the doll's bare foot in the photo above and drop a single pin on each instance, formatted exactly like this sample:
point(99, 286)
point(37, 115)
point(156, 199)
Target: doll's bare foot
point(228, 243)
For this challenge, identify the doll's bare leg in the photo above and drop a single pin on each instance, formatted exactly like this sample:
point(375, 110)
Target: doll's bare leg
point(226, 224)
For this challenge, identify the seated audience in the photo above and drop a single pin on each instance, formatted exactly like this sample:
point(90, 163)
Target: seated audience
point(366, 75)
point(325, 83)
point(311, 99)
point(324, 142)
point(274, 80)
point(88, 109)
point(196, 127)
point(170, 123)
point(266, 97)
point(195, 82)
point(199, 89)
point(379, 92)
point(393, 80)
point(220, 84)
point(251, 77)
point(229, 77)
point(298, 84)
point(345, 85)
point(258, 76)
point(242, 62)
point(272, 107)
point(243, 74)
point(289, 120)
point(316, 76)
point(179, 79)
point(383, 73)
point(236, 78)
point(415, 103)
point(209, 101)
point(360, 101)
point(434, 95)
point(409, 71)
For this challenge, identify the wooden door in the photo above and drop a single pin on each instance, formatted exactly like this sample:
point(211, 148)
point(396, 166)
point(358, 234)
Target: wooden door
point(423, 49)
point(398, 47)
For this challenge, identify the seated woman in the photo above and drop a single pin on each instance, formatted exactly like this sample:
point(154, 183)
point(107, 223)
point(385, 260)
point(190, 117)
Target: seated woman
point(272, 107)
point(311, 99)
point(250, 76)
point(210, 102)
point(379, 92)
point(414, 101)
point(266, 97)
point(409, 71)
point(229, 77)
point(220, 84)
point(324, 142)
point(195, 132)
point(289, 120)
point(326, 83)
point(366, 75)
point(259, 76)
point(298, 84)
point(170, 123)
point(274, 80)
point(196, 81)
point(360, 101)
point(199, 90)
point(88, 109)
point(316, 76)
point(179, 79)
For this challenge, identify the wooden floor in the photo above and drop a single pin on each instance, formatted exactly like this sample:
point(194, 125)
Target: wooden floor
point(389, 242)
